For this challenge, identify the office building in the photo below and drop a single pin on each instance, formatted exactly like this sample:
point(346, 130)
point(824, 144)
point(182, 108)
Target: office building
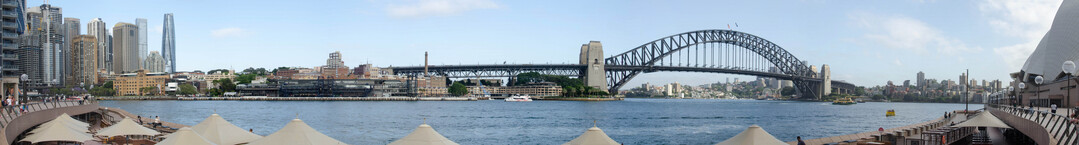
point(141, 24)
point(71, 30)
point(51, 31)
point(168, 43)
point(96, 27)
point(125, 57)
point(83, 64)
point(154, 62)
point(13, 24)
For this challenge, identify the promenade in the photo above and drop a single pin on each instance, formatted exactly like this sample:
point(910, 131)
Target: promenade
point(912, 130)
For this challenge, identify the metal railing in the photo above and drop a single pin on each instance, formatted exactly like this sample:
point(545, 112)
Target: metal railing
point(1058, 126)
point(9, 113)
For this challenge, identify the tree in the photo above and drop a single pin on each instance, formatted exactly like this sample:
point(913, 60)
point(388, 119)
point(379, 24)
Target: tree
point(256, 71)
point(278, 69)
point(788, 91)
point(225, 85)
point(148, 91)
point(107, 84)
point(458, 89)
point(217, 70)
point(246, 78)
point(188, 89)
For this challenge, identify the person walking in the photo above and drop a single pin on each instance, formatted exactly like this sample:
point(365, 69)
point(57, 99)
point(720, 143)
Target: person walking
point(157, 121)
point(800, 142)
point(1054, 108)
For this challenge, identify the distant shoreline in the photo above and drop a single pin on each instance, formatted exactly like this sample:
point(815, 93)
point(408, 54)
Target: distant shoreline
point(262, 98)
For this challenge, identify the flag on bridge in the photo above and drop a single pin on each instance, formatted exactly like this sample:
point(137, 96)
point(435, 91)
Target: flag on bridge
point(735, 24)
point(728, 26)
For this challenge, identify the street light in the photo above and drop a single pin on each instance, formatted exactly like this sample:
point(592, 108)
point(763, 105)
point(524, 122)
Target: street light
point(1037, 89)
point(1069, 69)
point(22, 80)
point(1022, 86)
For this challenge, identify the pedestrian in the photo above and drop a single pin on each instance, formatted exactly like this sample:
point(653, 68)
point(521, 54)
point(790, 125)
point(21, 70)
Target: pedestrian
point(800, 142)
point(140, 119)
point(157, 121)
point(252, 130)
point(1054, 110)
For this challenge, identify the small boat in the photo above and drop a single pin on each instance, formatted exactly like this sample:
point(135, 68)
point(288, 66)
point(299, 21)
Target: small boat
point(861, 101)
point(519, 98)
point(844, 101)
point(890, 113)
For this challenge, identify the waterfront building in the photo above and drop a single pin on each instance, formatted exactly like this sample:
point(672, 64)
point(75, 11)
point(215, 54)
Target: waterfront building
point(335, 67)
point(129, 84)
point(30, 49)
point(83, 64)
point(534, 90)
point(209, 78)
point(125, 48)
point(921, 80)
point(13, 24)
point(168, 43)
point(140, 24)
point(154, 62)
point(285, 73)
point(96, 27)
point(50, 32)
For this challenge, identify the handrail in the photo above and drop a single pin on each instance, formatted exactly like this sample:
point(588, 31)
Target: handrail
point(1058, 126)
point(9, 113)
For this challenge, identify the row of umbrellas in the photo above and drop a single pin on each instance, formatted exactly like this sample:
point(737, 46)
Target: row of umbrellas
point(215, 130)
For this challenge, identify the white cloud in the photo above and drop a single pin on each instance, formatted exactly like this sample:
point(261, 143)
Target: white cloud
point(424, 8)
point(229, 32)
point(897, 62)
point(910, 34)
point(1027, 20)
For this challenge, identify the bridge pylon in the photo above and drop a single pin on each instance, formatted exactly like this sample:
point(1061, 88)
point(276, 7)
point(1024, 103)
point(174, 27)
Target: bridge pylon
point(594, 75)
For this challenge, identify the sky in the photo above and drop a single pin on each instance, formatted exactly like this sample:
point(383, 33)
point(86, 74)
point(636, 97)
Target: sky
point(864, 42)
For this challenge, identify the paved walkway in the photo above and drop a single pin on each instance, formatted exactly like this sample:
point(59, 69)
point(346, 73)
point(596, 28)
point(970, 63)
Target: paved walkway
point(869, 134)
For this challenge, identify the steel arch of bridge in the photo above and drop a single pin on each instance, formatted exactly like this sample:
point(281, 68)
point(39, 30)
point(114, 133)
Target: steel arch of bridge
point(646, 56)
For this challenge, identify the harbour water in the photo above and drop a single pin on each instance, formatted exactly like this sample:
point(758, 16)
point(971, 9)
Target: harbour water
point(632, 121)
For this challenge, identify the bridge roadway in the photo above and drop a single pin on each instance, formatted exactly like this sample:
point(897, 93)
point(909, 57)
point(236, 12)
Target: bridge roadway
point(576, 70)
point(15, 123)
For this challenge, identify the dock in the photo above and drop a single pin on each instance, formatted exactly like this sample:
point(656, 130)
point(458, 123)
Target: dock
point(909, 131)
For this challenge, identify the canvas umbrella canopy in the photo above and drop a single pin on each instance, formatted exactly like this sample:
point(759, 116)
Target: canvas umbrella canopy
point(296, 133)
point(185, 136)
point(219, 131)
point(126, 127)
point(62, 123)
point(67, 118)
point(753, 135)
point(57, 132)
point(423, 135)
point(984, 119)
point(593, 136)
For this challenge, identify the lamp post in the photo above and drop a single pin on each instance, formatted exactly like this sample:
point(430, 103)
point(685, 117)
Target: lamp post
point(1022, 86)
point(1069, 69)
point(966, 91)
point(22, 80)
point(1037, 92)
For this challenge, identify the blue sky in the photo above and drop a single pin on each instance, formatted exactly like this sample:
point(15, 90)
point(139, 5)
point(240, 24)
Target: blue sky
point(864, 42)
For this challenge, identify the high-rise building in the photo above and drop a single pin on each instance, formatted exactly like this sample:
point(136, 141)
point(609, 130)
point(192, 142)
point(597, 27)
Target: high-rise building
point(154, 62)
point(83, 64)
point(13, 22)
point(335, 60)
point(921, 80)
point(125, 48)
point(96, 27)
point(71, 30)
point(141, 24)
point(168, 43)
point(53, 44)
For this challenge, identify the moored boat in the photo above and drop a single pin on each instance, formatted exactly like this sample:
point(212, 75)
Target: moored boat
point(844, 101)
point(519, 98)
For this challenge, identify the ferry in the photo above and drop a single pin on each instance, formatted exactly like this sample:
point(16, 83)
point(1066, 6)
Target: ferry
point(519, 98)
point(890, 113)
point(844, 101)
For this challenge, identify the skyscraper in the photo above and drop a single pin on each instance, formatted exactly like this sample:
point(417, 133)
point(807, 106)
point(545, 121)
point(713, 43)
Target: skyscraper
point(83, 60)
point(154, 62)
point(13, 26)
point(168, 43)
point(125, 48)
point(53, 44)
point(96, 27)
point(141, 24)
point(71, 30)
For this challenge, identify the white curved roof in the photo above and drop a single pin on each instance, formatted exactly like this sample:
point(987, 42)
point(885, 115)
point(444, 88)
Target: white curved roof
point(219, 131)
point(1059, 44)
point(423, 135)
point(296, 133)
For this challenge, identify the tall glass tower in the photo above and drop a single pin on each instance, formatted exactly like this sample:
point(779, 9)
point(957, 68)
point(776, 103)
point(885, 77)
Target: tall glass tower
point(141, 24)
point(168, 44)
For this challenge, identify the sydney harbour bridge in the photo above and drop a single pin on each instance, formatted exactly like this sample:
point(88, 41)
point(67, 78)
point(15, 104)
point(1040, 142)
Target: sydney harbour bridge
point(704, 51)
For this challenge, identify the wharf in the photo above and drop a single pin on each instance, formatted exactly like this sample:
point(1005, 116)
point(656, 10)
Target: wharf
point(909, 129)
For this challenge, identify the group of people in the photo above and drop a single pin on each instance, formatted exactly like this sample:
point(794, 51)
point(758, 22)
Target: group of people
point(155, 124)
point(10, 105)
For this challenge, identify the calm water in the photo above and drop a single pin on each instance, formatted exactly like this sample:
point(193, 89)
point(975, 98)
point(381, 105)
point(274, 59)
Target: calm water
point(633, 121)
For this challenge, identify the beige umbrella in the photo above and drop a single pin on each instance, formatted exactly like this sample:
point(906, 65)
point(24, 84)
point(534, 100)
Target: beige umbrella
point(593, 136)
point(296, 133)
point(753, 135)
point(64, 123)
point(126, 127)
point(423, 135)
point(219, 131)
point(57, 132)
point(984, 119)
point(67, 118)
point(185, 136)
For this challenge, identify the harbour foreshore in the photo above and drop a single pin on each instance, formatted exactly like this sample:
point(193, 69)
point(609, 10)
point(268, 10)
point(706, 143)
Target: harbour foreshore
point(909, 129)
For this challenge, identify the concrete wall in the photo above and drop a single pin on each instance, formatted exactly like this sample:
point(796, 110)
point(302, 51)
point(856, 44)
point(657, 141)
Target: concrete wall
point(1030, 128)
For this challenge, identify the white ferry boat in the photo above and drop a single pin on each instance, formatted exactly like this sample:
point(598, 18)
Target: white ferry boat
point(519, 98)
